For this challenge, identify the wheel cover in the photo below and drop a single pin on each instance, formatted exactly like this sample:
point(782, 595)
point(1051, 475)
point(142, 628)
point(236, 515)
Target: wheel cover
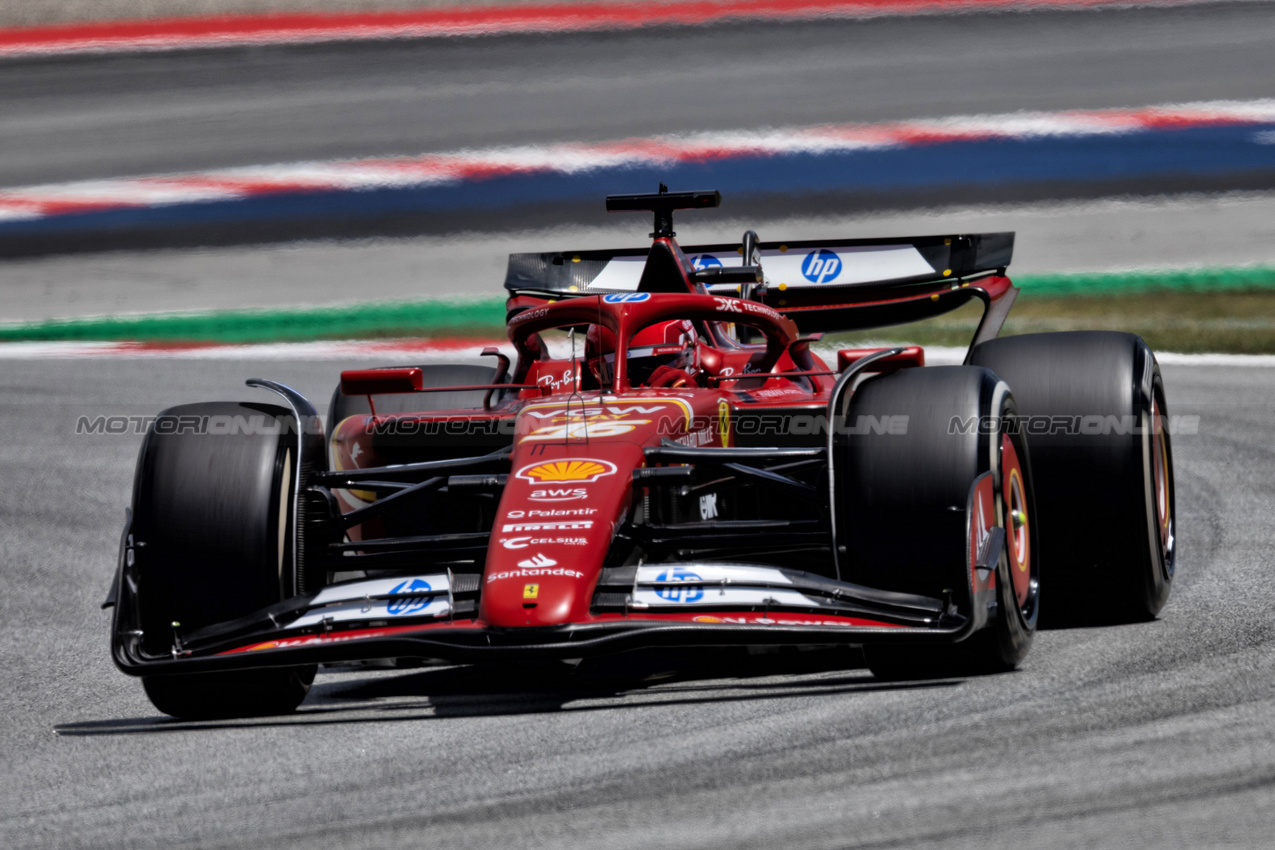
point(282, 532)
point(1163, 497)
point(1017, 527)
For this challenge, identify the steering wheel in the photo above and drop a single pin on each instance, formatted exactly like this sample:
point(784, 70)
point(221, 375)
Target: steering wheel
point(667, 376)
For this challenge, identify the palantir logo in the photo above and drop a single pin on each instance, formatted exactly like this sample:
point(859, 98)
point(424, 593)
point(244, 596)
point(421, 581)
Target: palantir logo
point(679, 594)
point(409, 604)
point(705, 261)
point(821, 266)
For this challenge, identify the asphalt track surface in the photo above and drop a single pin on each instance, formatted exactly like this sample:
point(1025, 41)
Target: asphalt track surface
point(90, 117)
point(1150, 735)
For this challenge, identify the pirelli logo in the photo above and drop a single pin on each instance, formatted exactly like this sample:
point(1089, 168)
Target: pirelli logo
point(561, 525)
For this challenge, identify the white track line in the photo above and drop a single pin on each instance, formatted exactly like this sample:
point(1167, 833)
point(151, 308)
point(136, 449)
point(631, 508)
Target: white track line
point(33, 203)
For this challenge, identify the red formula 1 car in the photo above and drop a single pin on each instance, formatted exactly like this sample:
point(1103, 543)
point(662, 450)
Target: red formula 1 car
point(680, 468)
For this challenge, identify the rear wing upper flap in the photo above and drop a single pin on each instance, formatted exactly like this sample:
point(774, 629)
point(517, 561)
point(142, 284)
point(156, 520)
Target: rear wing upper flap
point(829, 264)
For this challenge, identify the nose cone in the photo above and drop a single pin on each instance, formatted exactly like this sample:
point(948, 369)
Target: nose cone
point(535, 595)
point(553, 530)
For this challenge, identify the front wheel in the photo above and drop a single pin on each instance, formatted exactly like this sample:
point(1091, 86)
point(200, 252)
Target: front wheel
point(902, 498)
point(243, 693)
point(212, 519)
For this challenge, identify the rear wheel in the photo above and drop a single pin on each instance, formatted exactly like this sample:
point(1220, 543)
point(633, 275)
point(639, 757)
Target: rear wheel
point(903, 493)
point(1094, 409)
point(212, 516)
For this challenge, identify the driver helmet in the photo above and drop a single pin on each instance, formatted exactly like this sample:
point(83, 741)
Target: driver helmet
point(672, 343)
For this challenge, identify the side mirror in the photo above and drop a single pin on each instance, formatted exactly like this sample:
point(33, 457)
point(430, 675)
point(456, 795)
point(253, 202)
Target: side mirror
point(377, 381)
point(913, 355)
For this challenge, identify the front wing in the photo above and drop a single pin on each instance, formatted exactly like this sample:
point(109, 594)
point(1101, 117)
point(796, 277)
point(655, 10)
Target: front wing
point(434, 616)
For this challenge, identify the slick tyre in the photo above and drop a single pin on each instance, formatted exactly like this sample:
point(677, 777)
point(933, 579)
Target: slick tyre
point(902, 509)
point(449, 375)
point(212, 514)
point(1094, 409)
point(247, 693)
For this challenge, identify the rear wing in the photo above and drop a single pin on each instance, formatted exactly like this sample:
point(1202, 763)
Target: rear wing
point(812, 270)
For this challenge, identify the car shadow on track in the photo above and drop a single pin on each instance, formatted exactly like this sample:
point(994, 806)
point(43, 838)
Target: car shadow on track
point(625, 682)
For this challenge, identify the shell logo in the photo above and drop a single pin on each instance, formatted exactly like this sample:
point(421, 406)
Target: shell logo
point(571, 469)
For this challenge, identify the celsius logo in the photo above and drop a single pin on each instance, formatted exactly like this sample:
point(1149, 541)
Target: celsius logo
point(409, 604)
point(821, 266)
point(706, 261)
point(537, 561)
point(626, 297)
point(679, 594)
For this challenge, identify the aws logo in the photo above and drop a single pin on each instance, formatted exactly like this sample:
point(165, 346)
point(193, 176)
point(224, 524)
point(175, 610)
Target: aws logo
point(568, 470)
point(559, 494)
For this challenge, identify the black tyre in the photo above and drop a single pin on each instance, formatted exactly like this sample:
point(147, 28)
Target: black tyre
point(445, 375)
point(212, 516)
point(1093, 404)
point(247, 693)
point(903, 493)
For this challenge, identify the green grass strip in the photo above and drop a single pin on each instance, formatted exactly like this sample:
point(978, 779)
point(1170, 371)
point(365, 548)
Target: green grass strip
point(485, 317)
point(449, 317)
point(1129, 283)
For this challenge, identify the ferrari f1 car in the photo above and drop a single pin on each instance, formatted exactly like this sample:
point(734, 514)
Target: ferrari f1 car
point(669, 462)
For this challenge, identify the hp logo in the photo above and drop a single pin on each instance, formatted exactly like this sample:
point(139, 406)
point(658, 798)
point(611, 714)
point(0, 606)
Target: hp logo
point(626, 297)
point(706, 261)
point(409, 604)
point(679, 594)
point(821, 266)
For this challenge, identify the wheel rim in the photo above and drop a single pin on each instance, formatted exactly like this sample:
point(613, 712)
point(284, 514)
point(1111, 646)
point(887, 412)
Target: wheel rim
point(285, 483)
point(1017, 530)
point(1162, 488)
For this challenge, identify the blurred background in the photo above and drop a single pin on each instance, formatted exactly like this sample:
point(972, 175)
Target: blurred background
point(279, 170)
